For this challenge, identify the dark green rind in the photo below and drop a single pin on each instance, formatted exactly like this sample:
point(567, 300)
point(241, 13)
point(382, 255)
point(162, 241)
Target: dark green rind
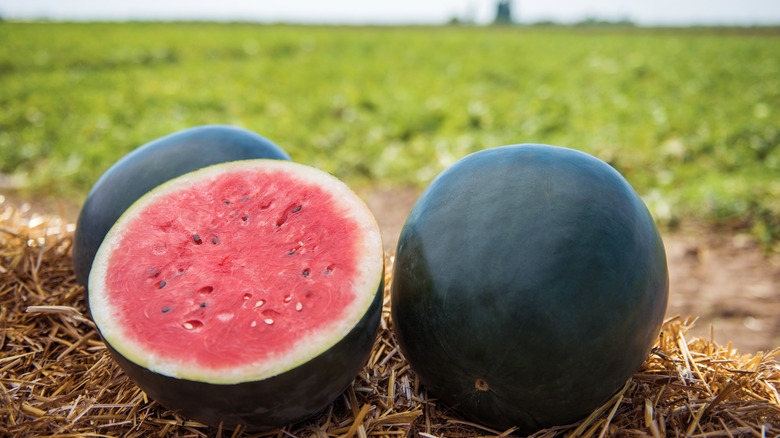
point(271, 403)
point(537, 269)
point(151, 165)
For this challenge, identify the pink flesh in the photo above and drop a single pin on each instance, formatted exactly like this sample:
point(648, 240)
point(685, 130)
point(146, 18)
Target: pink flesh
point(275, 272)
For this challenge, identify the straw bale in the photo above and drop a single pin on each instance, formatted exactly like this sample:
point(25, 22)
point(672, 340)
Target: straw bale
point(57, 379)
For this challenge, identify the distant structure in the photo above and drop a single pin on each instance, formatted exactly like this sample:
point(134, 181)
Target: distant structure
point(503, 12)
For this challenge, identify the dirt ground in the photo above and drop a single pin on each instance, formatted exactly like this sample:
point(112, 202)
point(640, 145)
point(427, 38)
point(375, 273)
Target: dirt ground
point(724, 280)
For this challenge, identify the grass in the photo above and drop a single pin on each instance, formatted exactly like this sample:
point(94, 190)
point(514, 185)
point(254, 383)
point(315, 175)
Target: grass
point(689, 116)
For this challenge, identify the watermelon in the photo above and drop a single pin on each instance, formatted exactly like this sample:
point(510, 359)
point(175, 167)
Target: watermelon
point(530, 283)
point(243, 293)
point(151, 165)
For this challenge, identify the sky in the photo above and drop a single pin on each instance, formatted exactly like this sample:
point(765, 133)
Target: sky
point(643, 12)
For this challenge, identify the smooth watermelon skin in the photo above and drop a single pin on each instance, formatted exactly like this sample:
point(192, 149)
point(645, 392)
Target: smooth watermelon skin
point(530, 282)
point(150, 165)
point(271, 403)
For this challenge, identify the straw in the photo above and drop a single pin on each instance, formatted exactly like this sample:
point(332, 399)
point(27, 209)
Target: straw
point(57, 379)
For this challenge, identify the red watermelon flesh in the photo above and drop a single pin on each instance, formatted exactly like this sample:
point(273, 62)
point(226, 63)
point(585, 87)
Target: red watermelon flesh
point(236, 272)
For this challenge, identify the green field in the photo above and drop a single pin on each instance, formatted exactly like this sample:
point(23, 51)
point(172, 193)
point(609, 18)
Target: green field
point(691, 117)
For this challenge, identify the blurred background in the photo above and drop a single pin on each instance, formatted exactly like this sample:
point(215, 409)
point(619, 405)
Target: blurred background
point(682, 97)
point(404, 12)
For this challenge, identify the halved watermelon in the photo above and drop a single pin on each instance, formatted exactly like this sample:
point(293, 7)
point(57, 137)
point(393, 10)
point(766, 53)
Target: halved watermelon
point(246, 292)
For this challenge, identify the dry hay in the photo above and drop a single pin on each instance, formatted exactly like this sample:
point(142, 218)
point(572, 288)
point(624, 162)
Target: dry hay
point(56, 378)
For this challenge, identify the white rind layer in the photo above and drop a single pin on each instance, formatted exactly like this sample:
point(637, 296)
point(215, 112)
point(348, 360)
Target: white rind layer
point(370, 258)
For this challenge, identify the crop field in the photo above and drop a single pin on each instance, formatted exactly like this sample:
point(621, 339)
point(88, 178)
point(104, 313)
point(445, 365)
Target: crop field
point(691, 117)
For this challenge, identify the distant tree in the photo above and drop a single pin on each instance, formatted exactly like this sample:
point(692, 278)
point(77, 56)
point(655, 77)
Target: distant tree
point(503, 12)
point(545, 23)
point(598, 22)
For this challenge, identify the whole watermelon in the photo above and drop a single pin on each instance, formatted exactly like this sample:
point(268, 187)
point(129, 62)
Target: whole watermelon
point(530, 283)
point(150, 165)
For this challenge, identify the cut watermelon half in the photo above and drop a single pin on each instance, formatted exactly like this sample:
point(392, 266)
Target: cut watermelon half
point(231, 280)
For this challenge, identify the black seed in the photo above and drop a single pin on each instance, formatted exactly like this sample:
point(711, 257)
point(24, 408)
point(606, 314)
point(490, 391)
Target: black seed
point(196, 238)
point(305, 272)
point(328, 271)
point(214, 240)
point(202, 304)
point(162, 284)
point(292, 251)
point(245, 218)
point(166, 309)
point(226, 201)
point(297, 209)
